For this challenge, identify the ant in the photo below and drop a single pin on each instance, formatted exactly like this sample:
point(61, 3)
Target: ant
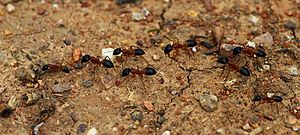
point(95, 60)
point(243, 70)
point(190, 43)
point(148, 71)
point(55, 68)
point(131, 52)
point(249, 51)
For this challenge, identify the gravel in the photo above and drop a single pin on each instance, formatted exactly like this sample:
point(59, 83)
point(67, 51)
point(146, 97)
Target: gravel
point(290, 25)
point(87, 83)
point(137, 116)
point(208, 103)
point(59, 88)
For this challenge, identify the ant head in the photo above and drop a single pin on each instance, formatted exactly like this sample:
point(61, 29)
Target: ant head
point(150, 71)
point(245, 71)
point(168, 48)
point(237, 50)
point(277, 98)
point(6, 112)
point(125, 72)
point(66, 69)
point(222, 60)
point(117, 51)
point(139, 52)
point(260, 53)
point(85, 58)
point(257, 98)
point(191, 43)
point(108, 63)
point(45, 67)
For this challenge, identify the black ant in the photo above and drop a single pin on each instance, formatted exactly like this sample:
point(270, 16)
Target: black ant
point(95, 60)
point(243, 70)
point(131, 52)
point(148, 71)
point(55, 68)
point(249, 51)
point(190, 43)
point(272, 99)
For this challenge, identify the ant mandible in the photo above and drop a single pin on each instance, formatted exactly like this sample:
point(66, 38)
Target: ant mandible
point(95, 60)
point(242, 70)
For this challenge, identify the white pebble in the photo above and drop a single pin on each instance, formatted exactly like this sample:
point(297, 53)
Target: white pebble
point(146, 12)
point(253, 19)
point(166, 133)
point(246, 127)
point(251, 44)
point(194, 49)
point(108, 52)
point(137, 16)
point(10, 8)
point(266, 67)
point(293, 70)
point(269, 95)
point(92, 131)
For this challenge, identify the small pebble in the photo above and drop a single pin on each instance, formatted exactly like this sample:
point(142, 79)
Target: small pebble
point(221, 131)
point(293, 70)
point(256, 131)
point(137, 116)
point(81, 128)
point(265, 39)
point(145, 12)
point(266, 67)
point(161, 119)
point(10, 8)
point(67, 42)
point(41, 11)
point(291, 120)
point(290, 25)
point(78, 65)
point(296, 128)
point(166, 133)
point(137, 16)
point(149, 105)
point(240, 132)
point(253, 19)
point(59, 88)
point(87, 83)
point(246, 127)
point(192, 13)
point(156, 57)
point(92, 131)
point(208, 103)
point(285, 77)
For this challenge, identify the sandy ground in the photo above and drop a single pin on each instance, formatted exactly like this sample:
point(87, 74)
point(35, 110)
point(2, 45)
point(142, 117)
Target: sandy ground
point(188, 95)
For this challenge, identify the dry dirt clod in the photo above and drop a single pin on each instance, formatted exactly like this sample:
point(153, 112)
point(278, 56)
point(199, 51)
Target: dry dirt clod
point(59, 88)
point(265, 39)
point(208, 103)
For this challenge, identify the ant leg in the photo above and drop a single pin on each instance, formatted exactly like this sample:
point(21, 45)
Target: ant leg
point(142, 82)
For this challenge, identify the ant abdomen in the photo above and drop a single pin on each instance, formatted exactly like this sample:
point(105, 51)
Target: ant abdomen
point(245, 71)
point(149, 71)
point(139, 52)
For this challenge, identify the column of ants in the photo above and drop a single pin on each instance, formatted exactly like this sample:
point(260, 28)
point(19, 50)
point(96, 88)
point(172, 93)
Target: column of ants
point(230, 62)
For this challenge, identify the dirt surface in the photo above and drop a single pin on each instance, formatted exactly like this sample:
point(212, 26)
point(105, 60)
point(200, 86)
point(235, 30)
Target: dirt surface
point(190, 94)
